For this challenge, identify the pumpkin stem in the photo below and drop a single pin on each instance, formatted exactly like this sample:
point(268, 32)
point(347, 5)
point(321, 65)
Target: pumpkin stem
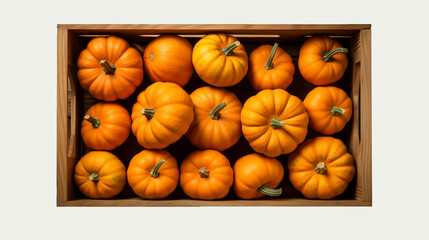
point(328, 55)
point(269, 191)
point(321, 168)
point(276, 123)
point(228, 49)
point(109, 69)
point(214, 113)
point(337, 110)
point(204, 172)
point(95, 122)
point(138, 47)
point(94, 177)
point(154, 172)
point(148, 113)
point(269, 64)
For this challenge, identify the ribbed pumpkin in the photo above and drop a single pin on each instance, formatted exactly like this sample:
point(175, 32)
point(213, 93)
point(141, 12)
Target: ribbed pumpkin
point(274, 122)
point(100, 174)
point(168, 58)
point(322, 60)
point(256, 175)
point(270, 67)
point(206, 175)
point(106, 125)
point(109, 68)
point(321, 168)
point(162, 114)
point(217, 118)
point(220, 60)
point(329, 109)
point(153, 174)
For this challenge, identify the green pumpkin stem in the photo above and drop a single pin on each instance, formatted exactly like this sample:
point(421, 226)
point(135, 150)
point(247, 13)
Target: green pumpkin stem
point(109, 69)
point(204, 172)
point(337, 110)
point(215, 112)
point(270, 191)
point(276, 123)
point(148, 113)
point(328, 55)
point(138, 47)
point(95, 122)
point(155, 171)
point(94, 177)
point(321, 168)
point(228, 49)
point(269, 64)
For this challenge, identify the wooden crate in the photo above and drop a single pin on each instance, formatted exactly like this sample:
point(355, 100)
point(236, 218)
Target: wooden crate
point(356, 82)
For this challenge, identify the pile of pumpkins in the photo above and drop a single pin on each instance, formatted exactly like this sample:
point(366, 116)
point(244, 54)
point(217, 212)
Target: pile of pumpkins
point(213, 119)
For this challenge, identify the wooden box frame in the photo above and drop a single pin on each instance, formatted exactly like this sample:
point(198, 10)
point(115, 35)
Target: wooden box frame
point(359, 141)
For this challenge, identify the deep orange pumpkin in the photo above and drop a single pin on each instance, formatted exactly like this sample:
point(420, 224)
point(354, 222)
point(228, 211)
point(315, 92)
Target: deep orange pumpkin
point(217, 122)
point(100, 174)
point(329, 109)
point(162, 114)
point(321, 168)
point(220, 60)
point(270, 67)
point(322, 60)
point(274, 122)
point(168, 58)
point(206, 175)
point(153, 174)
point(256, 175)
point(109, 68)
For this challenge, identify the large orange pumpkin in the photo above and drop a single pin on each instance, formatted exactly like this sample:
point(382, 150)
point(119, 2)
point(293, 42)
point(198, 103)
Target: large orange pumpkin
point(220, 60)
point(217, 118)
point(162, 114)
point(270, 67)
point(321, 168)
point(105, 126)
point(322, 60)
point(329, 109)
point(100, 174)
point(168, 58)
point(153, 174)
point(109, 68)
point(206, 175)
point(256, 175)
point(274, 122)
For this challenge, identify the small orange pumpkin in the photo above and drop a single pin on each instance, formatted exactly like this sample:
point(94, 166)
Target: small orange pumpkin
point(321, 168)
point(106, 125)
point(256, 175)
point(217, 119)
point(162, 115)
point(220, 60)
point(153, 174)
point(270, 67)
point(322, 60)
point(274, 122)
point(109, 68)
point(329, 109)
point(100, 174)
point(206, 175)
point(168, 58)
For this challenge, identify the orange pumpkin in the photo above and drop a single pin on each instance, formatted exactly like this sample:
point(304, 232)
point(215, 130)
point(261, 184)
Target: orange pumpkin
point(206, 175)
point(105, 126)
point(321, 168)
point(329, 109)
point(270, 67)
point(274, 122)
point(256, 175)
point(220, 60)
point(168, 58)
point(100, 174)
point(109, 68)
point(217, 119)
point(322, 60)
point(153, 174)
point(161, 115)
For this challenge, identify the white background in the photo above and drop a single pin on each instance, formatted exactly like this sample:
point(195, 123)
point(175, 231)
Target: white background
point(28, 125)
